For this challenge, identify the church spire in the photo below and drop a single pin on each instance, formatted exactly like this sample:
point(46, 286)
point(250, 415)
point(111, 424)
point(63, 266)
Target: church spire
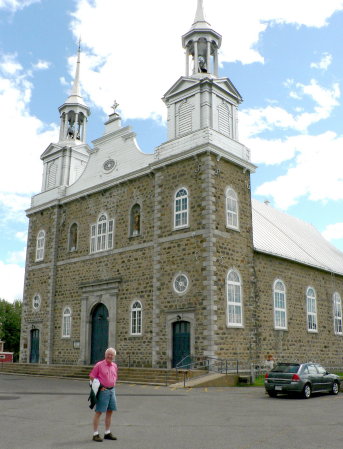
point(201, 44)
point(74, 112)
point(199, 20)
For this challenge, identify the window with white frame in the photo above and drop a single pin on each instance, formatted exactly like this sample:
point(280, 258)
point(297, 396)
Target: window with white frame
point(102, 234)
point(40, 245)
point(66, 323)
point(136, 318)
point(311, 305)
point(280, 312)
point(234, 300)
point(181, 208)
point(337, 313)
point(232, 220)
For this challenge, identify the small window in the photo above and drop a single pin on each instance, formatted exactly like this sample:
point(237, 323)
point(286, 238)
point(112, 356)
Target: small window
point(181, 208)
point(337, 313)
point(136, 318)
point(311, 305)
point(40, 245)
point(234, 300)
point(232, 220)
point(66, 323)
point(36, 302)
point(280, 313)
point(102, 234)
point(135, 220)
point(73, 231)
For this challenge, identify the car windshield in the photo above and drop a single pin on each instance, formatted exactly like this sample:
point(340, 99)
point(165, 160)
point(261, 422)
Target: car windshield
point(286, 368)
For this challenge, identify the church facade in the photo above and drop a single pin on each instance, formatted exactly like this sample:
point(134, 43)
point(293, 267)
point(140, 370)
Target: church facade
point(165, 256)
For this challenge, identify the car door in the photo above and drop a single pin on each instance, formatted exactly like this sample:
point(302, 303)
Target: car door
point(314, 377)
point(324, 379)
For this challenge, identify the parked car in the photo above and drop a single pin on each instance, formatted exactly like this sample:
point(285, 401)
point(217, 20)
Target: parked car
point(301, 378)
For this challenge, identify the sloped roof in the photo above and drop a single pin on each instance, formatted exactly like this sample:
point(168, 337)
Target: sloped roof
point(279, 234)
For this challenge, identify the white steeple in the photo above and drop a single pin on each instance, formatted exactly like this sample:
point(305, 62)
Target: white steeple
point(74, 113)
point(202, 44)
point(201, 99)
point(65, 160)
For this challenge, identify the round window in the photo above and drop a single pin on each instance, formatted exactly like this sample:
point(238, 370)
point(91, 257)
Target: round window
point(36, 302)
point(109, 165)
point(181, 283)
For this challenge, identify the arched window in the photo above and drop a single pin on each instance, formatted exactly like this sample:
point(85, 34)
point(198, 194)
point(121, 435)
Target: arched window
point(40, 245)
point(66, 323)
point(311, 306)
point(102, 234)
point(181, 208)
point(73, 237)
point(136, 318)
point(232, 220)
point(280, 313)
point(337, 313)
point(234, 300)
point(135, 220)
point(36, 302)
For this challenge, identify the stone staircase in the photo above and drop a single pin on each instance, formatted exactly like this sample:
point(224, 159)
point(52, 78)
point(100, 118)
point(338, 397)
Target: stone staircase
point(152, 376)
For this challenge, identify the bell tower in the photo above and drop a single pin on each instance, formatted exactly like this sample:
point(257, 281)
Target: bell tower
point(201, 44)
point(201, 99)
point(65, 160)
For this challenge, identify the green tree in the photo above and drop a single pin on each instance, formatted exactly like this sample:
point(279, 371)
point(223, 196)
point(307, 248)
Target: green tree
point(10, 319)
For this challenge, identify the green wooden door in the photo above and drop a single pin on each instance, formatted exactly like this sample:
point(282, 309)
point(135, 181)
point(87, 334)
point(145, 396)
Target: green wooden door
point(181, 343)
point(99, 333)
point(34, 351)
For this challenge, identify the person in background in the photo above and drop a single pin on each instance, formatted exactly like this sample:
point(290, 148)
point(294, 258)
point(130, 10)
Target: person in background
point(106, 371)
point(269, 363)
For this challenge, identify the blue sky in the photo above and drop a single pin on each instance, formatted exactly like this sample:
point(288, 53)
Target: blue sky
point(285, 58)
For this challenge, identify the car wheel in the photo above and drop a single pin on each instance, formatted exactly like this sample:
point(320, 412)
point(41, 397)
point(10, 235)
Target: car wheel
point(335, 388)
point(307, 391)
point(272, 394)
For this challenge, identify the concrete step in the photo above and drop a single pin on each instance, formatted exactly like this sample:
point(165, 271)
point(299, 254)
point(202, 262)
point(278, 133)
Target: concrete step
point(130, 375)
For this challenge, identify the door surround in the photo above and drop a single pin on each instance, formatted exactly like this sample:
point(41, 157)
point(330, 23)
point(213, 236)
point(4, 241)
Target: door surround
point(93, 293)
point(171, 318)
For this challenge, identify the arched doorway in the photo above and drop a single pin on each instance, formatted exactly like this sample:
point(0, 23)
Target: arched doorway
point(99, 333)
point(181, 343)
point(34, 346)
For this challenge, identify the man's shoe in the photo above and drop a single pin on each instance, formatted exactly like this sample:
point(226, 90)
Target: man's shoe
point(97, 438)
point(109, 436)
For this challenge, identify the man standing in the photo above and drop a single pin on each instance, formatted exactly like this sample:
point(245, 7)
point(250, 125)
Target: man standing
point(106, 371)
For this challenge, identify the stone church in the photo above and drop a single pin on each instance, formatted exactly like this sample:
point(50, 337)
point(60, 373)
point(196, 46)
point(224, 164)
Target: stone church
point(165, 256)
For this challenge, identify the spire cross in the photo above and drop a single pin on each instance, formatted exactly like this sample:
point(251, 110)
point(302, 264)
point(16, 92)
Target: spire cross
point(114, 106)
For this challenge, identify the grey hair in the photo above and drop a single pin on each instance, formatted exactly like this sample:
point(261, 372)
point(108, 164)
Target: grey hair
point(110, 350)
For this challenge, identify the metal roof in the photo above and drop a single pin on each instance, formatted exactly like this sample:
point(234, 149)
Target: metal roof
point(279, 234)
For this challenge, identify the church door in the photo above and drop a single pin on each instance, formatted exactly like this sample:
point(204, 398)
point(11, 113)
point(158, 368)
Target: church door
point(34, 351)
point(181, 343)
point(99, 333)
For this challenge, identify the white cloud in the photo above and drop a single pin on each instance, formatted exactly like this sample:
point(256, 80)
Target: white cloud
point(257, 120)
point(14, 5)
point(22, 173)
point(333, 231)
point(313, 174)
point(140, 49)
point(11, 281)
point(42, 65)
point(17, 257)
point(324, 63)
point(22, 236)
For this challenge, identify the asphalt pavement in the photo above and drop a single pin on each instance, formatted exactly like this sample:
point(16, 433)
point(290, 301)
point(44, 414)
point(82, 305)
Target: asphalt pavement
point(44, 413)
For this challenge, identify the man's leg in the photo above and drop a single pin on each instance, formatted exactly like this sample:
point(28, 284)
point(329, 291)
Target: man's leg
point(108, 419)
point(96, 420)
